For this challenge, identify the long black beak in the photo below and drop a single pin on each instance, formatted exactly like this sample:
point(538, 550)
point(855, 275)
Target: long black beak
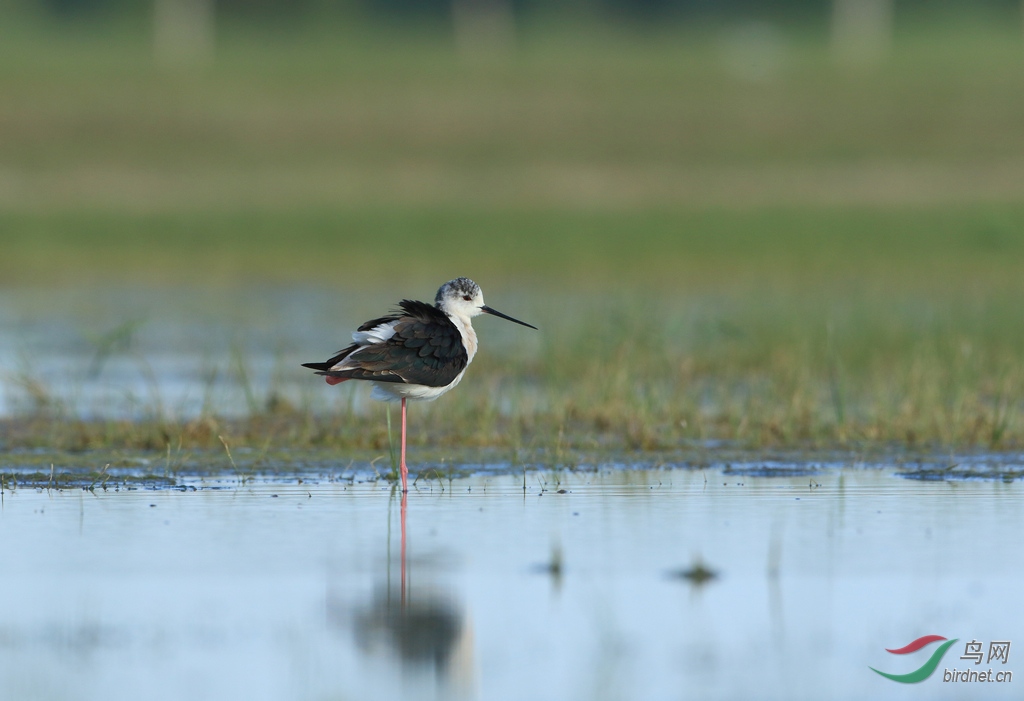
point(487, 310)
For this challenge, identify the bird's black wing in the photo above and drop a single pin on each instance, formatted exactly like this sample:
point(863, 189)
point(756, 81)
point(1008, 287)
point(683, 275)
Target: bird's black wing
point(426, 349)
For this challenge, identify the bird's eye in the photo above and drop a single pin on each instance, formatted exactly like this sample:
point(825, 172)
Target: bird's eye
point(468, 298)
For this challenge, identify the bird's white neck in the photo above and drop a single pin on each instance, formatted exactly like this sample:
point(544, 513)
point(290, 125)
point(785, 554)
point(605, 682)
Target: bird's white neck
point(465, 327)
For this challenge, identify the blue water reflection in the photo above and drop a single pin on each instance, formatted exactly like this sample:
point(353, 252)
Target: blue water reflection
point(310, 591)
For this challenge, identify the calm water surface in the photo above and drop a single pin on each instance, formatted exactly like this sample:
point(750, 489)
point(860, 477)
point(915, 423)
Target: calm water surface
point(301, 591)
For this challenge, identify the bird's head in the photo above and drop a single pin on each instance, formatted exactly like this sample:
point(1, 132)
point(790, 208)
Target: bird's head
point(463, 297)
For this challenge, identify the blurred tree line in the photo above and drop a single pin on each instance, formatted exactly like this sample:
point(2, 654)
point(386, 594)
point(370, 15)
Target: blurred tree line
point(185, 31)
point(442, 10)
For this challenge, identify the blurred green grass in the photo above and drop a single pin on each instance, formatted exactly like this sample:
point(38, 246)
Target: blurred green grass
point(946, 251)
point(590, 152)
point(822, 255)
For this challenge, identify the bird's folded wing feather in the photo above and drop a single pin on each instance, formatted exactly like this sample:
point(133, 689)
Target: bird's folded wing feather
point(425, 349)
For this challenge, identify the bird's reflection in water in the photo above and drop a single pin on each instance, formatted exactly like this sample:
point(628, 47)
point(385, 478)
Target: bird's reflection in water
point(422, 627)
point(423, 631)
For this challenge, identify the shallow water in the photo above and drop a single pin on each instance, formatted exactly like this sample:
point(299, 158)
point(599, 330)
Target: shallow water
point(301, 591)
point(134, 352)
point(137, 352)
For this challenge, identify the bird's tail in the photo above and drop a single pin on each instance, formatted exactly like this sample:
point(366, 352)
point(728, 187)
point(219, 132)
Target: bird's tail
point(325, 370)
point(331, 362)
point(318, 366)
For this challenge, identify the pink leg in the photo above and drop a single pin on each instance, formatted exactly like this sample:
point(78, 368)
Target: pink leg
point(405, 498)
point(405, 470)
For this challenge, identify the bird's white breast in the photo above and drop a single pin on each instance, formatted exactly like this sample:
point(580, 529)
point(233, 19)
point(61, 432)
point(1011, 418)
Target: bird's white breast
point(467, 333)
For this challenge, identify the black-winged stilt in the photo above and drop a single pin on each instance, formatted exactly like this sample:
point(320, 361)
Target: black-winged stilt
point(417, 352)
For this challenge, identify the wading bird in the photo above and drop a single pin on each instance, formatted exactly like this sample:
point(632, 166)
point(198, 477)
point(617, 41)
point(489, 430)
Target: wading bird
point(417, 352)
